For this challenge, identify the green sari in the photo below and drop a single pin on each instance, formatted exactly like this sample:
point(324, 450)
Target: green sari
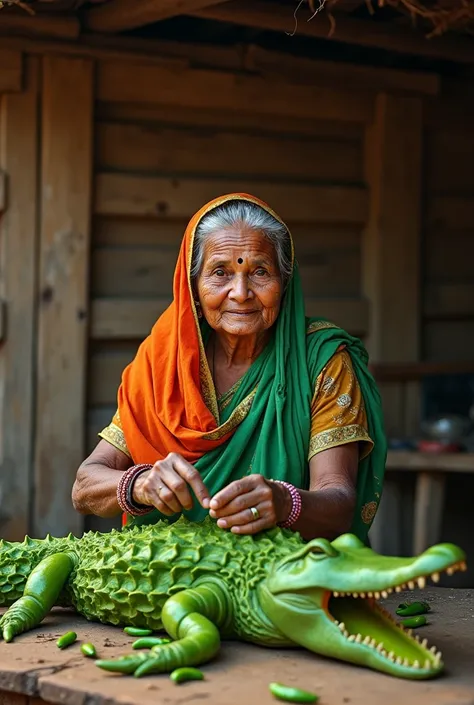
point(270, 412)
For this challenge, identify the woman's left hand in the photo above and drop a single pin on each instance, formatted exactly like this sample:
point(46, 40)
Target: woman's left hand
point(250, 505)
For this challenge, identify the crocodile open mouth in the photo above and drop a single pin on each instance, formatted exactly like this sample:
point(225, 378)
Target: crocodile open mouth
point(363, 621)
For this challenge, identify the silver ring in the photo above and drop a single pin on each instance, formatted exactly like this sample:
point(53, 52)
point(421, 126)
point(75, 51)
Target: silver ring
point(255, 513)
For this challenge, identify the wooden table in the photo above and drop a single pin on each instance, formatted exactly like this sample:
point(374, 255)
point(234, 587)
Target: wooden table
point(34, 671)
point(431, 469)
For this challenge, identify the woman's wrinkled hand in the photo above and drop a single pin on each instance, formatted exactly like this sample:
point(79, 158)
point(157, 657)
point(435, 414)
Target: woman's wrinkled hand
point(166, 486)
point(234, 506)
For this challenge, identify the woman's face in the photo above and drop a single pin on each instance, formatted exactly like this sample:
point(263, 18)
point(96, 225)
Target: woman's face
point(239, 286)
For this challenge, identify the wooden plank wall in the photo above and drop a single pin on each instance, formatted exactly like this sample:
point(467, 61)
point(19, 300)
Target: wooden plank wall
point(162, 151)
point(448, 242)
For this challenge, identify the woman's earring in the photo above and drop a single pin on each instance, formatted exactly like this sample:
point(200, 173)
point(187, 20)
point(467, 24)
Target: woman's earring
point(198, 309)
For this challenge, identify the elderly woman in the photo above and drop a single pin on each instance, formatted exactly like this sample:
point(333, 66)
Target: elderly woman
point(236, 404)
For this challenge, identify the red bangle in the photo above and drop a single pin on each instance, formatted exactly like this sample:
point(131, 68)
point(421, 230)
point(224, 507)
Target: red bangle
point(124, 491)
point(295, 505)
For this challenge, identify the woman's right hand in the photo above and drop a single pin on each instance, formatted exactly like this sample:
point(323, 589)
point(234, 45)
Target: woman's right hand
point(166, 486)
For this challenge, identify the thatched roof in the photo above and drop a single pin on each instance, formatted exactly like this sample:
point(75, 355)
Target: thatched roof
point(391, 25)
point(437, 16)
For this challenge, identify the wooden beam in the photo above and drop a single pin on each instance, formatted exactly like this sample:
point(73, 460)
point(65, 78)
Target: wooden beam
point(279, 18)
point(117, 15)
point(53, 26)
point(133, 82)
point(391, 273)
point(19, 122)
point(11, 70)
point(243, 58)
point(132, 319)
point(67, 122)
point(3, 191)
point(122, 194)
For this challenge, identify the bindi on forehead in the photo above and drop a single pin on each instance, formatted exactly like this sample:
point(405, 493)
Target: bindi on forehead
point(240, 260)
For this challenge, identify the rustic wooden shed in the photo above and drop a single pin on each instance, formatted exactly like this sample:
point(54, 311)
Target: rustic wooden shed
point(120, 118)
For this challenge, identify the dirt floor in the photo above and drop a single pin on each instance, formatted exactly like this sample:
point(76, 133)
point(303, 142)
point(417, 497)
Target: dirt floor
point(34, 666)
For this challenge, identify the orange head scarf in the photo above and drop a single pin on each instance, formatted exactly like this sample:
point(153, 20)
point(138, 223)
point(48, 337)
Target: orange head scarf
point(163, 394)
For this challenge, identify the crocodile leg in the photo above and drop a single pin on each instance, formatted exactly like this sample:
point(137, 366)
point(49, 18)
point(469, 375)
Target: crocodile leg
point(193, 618)
point(40, 594)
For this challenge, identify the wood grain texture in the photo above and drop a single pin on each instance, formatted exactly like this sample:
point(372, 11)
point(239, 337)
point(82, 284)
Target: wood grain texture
point(391, 248)
point(172, 116)
point(121, 194)
point(135, 82)
point(63, 290)
point(11, 70)
point(120, 15)
point(19, 122)
point(200, 151)
point(58, 26)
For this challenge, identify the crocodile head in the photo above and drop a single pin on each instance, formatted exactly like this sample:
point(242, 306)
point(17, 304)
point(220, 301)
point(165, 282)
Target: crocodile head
point(325, 597)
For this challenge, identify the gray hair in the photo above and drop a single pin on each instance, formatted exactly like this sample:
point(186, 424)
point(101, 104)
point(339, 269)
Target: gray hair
point(254, 217)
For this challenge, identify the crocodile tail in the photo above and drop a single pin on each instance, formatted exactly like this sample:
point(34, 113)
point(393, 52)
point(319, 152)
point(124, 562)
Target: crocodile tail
point(17, 560)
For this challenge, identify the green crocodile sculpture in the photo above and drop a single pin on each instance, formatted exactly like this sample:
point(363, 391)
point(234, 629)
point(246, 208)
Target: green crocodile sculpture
point(200, 584)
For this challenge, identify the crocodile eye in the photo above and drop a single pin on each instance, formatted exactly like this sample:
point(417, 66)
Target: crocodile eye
point(322, 547)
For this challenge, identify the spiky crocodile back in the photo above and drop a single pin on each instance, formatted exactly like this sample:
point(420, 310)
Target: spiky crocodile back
point(17, 560)
point(124, 577)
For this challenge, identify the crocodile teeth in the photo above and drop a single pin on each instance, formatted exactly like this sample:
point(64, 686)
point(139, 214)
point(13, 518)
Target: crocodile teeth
point(377, 595)
point(391, 656)
point(450, 570)
point(416, 664)
point(373, 643)
point(424, 643)
point(421, 582)
point(351, 637)
point(335, 594)
point(427, 664)
point(398, 661)
point(342, 626)
point(411, 585)
point(389, 590)
point(406, 662)
point(433, 650)
point(437, 658)
point(384, 594)
point(362, 594)
point(366, 640)
point(435, 577)
point(358, 638)
point(380, 647)
point(355, 594)
point(463, 566)
point(370, 594)
point(398, 588)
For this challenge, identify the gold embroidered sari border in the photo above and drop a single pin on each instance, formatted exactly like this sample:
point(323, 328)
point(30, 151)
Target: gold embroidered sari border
point(237, 416)
point(115, 436)
point(334, 437)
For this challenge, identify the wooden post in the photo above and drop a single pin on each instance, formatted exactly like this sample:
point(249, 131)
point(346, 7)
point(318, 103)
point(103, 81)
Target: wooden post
point(391, 257)
point(66, 177)
point(18, 264)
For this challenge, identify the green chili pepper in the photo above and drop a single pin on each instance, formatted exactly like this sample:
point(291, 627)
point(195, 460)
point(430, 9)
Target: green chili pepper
point(89, 650)
point(136, 631)
point(125, 664)
point(66, 640)
point(408, 609)
point(180, 675)
point(292, 695)
point(418, 621)
point(146, 642)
